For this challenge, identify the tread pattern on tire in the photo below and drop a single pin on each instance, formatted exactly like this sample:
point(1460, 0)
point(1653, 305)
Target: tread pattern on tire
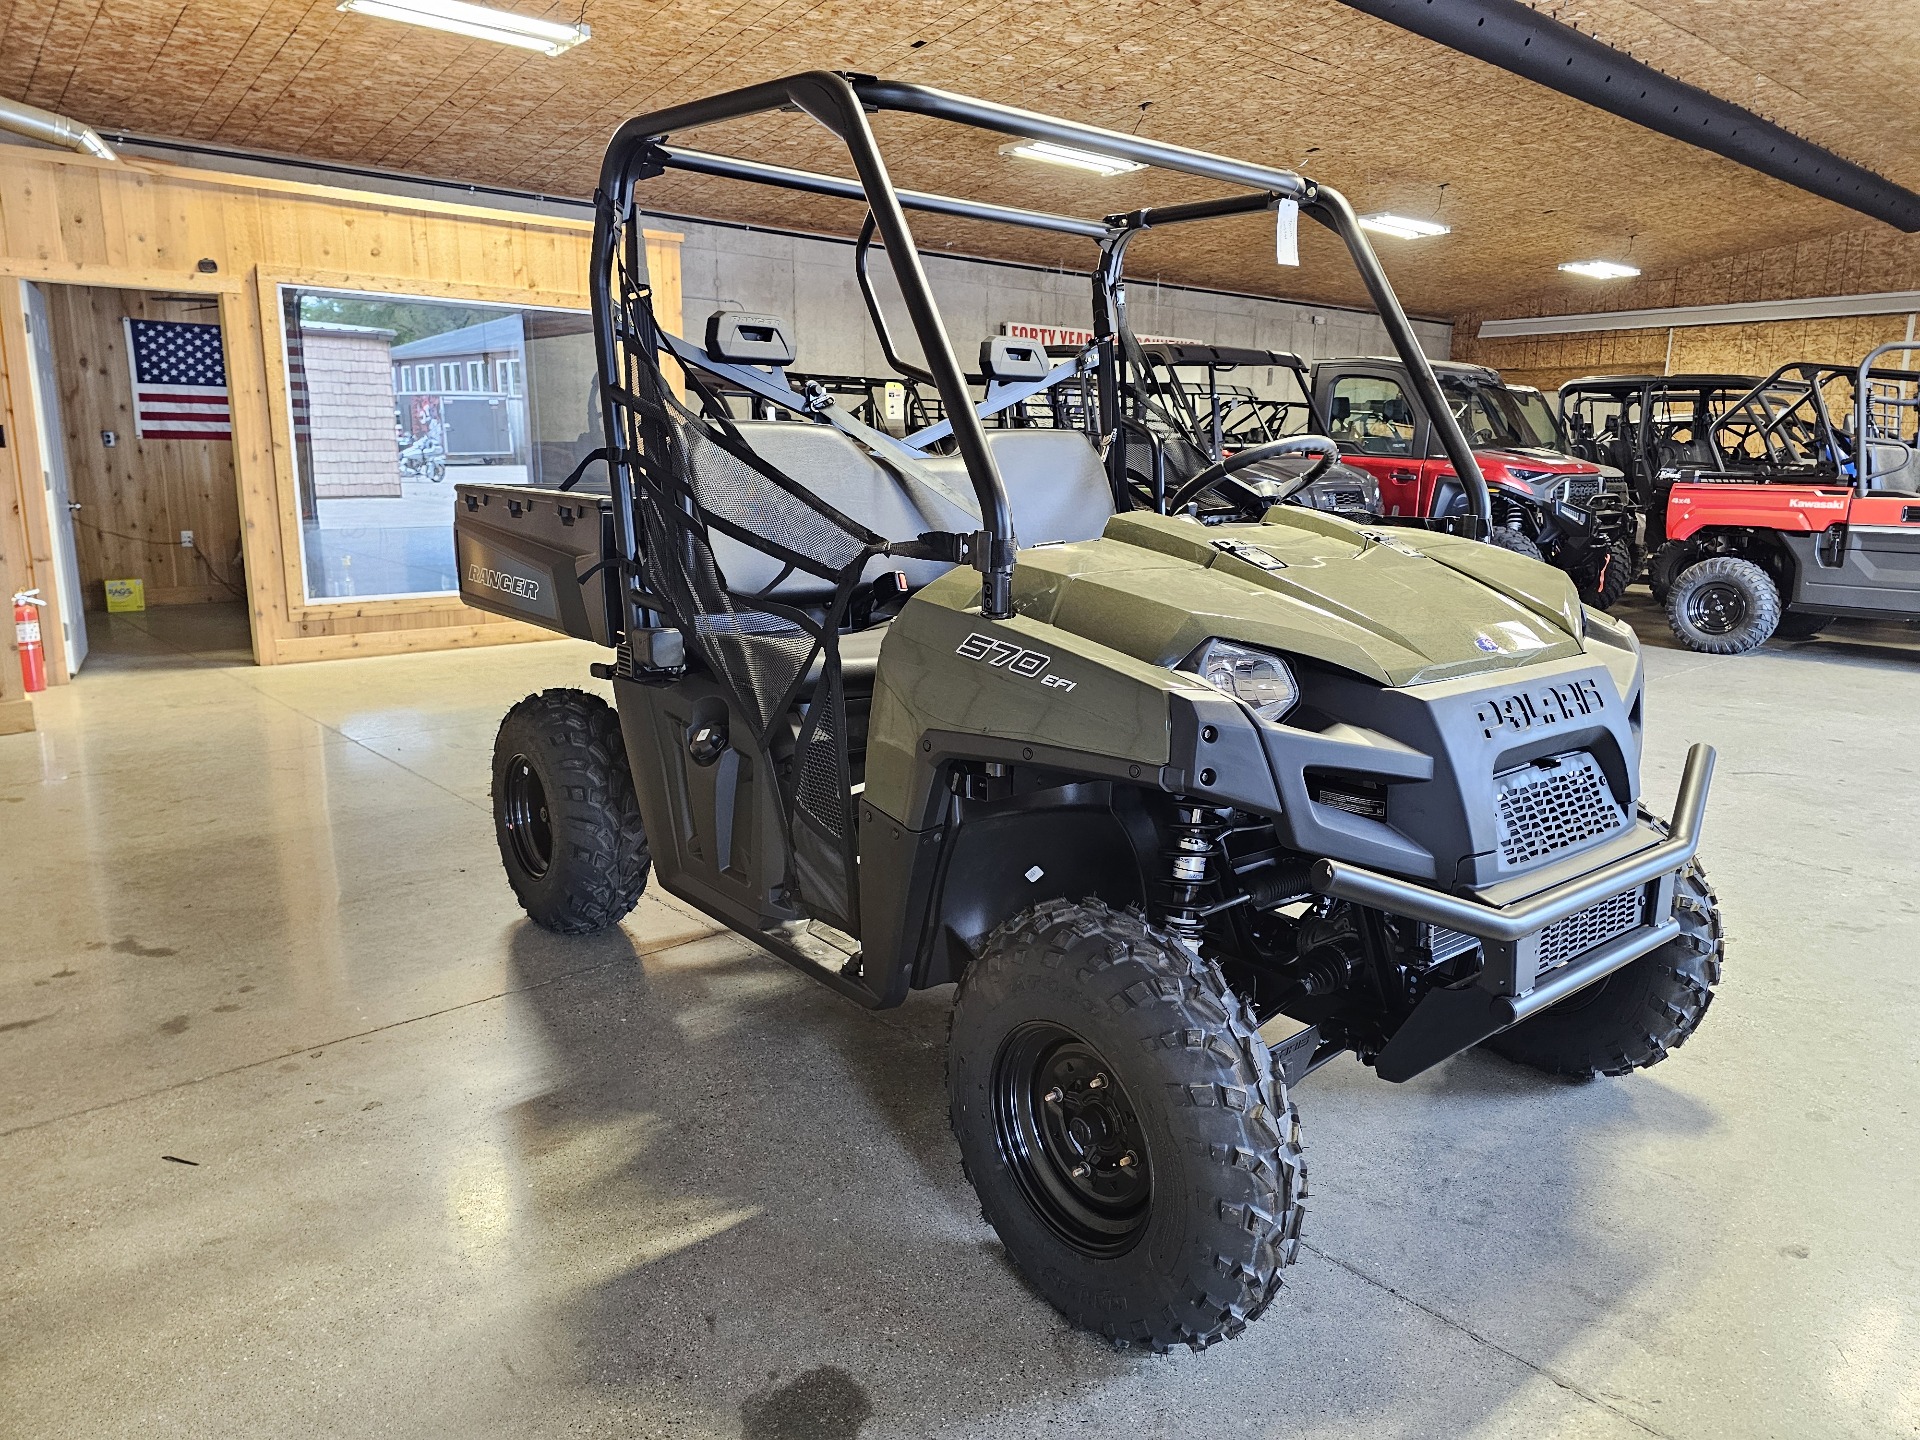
point(1610, 581)
point(1225, 1069)
point(1764, 598)
point(1501, 538)
point(599, 875)
point(1669, 990)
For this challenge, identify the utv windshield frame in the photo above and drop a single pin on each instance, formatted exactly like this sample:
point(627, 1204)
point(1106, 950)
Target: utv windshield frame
point(640, 150)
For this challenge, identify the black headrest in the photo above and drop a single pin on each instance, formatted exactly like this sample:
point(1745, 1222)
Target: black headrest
point(1004, 358)
point(747, 339)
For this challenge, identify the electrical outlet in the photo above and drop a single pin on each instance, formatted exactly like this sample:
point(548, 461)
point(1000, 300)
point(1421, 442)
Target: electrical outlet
point(186, 539)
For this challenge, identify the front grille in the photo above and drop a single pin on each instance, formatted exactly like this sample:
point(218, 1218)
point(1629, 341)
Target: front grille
point(1444, 944)
point(1595, 925)
point(1581, 488)
point(1344, 499)
point(1553, 805)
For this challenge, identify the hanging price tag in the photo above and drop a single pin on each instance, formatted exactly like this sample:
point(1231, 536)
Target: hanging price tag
point(1286, 232)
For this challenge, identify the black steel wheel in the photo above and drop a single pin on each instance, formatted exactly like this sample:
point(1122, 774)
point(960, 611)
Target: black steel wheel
point(1072, 1138)
point(565, 814)
point(1723, 606)
point(1123, 1126)
point(529, 824)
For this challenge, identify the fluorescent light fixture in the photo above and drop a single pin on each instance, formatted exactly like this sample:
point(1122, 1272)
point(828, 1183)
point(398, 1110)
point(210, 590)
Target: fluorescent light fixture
point(1600, 269)
point(1067, 155)
point(1402, 228)
point(478, 22)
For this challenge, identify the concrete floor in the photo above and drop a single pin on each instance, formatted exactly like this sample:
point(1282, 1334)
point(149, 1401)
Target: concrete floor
point(453, 1176)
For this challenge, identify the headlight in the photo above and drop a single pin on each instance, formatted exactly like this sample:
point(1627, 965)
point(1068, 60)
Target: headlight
point(1530, 477)
point(1257, 677)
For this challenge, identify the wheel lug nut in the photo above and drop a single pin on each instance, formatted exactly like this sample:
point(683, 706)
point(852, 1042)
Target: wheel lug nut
point(1129, 1160)
point(1082, 1170)
point(1098, 1082)
point(1054, 1096)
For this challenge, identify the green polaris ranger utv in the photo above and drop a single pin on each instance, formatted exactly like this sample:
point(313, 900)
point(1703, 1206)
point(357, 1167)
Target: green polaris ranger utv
point(1144, 787)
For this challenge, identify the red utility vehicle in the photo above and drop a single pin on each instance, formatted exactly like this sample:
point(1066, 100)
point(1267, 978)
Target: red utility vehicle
point(1572, 513)
point(1800, 522)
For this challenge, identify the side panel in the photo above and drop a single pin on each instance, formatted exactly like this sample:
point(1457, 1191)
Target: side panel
point(522, 552)
point(714, 829)
point(1875, 567)
point(1805, 509)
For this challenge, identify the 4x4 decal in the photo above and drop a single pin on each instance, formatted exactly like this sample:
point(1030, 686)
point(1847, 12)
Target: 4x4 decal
point(1006, 656)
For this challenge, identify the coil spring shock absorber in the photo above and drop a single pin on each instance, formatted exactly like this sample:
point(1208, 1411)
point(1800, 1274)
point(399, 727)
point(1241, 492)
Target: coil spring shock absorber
point(1193, 837)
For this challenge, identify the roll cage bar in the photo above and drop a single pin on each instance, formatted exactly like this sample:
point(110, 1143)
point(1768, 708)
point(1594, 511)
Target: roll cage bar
point(841, 101)
point(1770, 411)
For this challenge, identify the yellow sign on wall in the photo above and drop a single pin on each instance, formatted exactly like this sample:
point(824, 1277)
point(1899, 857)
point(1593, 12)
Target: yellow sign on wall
point(125, 595)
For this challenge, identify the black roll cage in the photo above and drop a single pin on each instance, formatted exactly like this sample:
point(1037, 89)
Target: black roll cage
point(841, 102)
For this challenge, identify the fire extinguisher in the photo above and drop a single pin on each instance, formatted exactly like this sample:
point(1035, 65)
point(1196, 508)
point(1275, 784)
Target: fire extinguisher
point(26, 634)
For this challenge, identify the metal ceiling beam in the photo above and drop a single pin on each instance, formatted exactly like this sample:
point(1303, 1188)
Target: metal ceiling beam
point(1521, 40)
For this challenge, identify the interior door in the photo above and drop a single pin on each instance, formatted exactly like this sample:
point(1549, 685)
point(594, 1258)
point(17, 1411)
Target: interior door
point(53, 468)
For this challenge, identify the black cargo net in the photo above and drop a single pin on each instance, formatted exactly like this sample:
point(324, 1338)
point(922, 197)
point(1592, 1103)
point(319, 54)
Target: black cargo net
point(693, 475)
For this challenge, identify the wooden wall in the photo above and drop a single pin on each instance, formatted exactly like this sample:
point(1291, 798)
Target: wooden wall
point(144, 225)
point(137, 496)
point(1878, 260)
point(16, 564)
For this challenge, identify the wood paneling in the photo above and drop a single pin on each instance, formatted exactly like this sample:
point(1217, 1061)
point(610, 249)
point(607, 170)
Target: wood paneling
point(73, 220)
point(1859, 262)
point(1531, 177)
point(136, 496)
point(16, 566)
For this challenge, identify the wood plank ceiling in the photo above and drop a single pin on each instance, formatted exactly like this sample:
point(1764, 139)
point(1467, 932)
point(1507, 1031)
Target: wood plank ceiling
point(1530, 178)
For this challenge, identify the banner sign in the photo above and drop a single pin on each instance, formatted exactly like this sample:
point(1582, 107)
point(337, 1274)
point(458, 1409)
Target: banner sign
point(1073, 335)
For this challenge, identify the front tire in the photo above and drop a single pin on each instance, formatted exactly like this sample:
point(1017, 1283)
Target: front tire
point(1122, 1124)
point(1642, 1012)
point(1501, 538)
point(1723, 606)
point(565, 814)
point(1607, 576)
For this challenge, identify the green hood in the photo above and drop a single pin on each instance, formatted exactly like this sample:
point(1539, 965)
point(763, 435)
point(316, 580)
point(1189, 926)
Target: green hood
point(1399, 606)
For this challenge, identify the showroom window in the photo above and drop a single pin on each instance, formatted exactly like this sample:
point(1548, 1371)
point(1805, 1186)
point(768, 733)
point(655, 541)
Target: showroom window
point(392, 407)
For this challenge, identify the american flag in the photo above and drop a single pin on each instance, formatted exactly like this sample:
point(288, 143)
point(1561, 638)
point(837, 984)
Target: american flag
point(179, 381)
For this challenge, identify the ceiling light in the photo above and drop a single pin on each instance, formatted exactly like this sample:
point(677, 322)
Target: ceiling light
point(1066, 155)
point(1402, 228)
point(1600, 269)
point(479, 22)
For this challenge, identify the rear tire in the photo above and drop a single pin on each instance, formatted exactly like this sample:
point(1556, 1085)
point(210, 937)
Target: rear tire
point(1723, 606)
point(565, 815)
point(1185, 1242)
point(1607, 576)
point(1642, 1012)
point(1502, 538)
point(1668, 561)
point(1800, 625)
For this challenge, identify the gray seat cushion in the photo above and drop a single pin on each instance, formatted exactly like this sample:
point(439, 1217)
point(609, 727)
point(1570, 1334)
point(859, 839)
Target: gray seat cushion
point(1054, 480)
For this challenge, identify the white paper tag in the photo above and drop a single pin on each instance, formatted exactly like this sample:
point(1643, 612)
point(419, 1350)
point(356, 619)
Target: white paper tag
point(1286, 232)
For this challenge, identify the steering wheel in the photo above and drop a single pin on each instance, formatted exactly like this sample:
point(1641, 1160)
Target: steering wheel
point(1246, 498)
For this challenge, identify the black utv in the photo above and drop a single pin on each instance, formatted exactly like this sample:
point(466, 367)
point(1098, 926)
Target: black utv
point(1142, 787)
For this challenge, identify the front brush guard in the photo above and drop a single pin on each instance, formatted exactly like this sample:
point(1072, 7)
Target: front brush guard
point(1509, 986)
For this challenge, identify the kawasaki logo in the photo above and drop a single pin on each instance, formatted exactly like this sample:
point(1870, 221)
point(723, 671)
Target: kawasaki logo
point(500, 580)
point(1818, 504)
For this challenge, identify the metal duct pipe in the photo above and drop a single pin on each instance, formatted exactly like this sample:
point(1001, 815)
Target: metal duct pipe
point(1519, 39)
point(32, 121)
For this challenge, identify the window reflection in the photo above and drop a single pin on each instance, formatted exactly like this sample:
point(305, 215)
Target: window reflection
point(395, 400)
